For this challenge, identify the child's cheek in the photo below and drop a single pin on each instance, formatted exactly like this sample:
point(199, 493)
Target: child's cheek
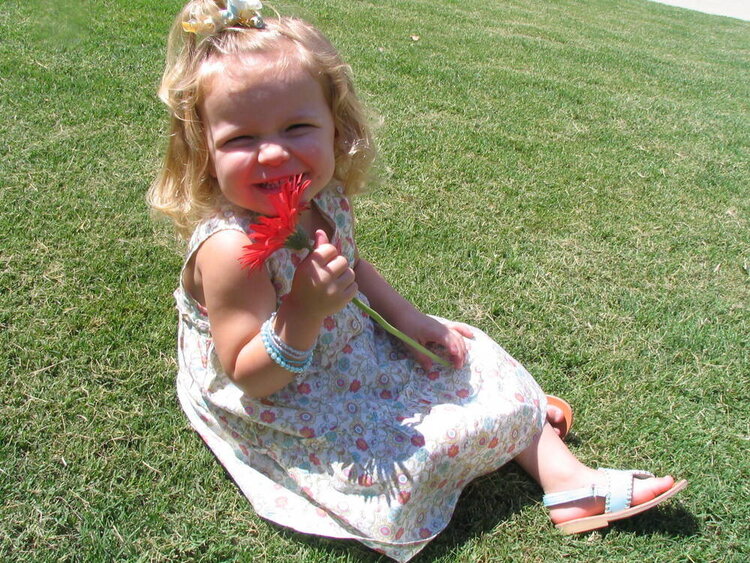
point(236, 165)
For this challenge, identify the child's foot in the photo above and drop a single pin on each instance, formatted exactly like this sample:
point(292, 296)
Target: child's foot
point(556, 420)
point(559, 415)
point(643, 491)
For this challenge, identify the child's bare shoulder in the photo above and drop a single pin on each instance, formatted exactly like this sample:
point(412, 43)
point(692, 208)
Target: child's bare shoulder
point(217, 271)
point(223, 246)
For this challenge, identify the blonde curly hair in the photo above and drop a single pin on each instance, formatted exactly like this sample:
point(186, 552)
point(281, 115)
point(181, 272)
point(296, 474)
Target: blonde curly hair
point(184, 190)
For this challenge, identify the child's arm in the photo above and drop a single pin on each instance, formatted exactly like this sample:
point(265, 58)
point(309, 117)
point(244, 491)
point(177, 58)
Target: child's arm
point(239, 301)
point(408, 319)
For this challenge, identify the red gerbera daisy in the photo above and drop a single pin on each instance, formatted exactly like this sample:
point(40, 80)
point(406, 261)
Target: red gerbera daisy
point(270, 234)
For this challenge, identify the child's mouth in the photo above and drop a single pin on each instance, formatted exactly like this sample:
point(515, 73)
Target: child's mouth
point(275, 185)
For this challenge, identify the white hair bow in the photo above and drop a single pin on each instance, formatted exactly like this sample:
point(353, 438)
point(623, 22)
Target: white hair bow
point(245, 12)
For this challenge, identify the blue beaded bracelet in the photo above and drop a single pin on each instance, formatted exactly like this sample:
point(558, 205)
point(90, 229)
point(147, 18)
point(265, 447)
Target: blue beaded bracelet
point(278, 356)
point(291, 359)
point(289, 352)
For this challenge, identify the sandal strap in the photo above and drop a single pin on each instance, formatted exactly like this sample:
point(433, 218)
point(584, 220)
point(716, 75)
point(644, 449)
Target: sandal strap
point(553, 499)
point(620, 485)
point(617, 492)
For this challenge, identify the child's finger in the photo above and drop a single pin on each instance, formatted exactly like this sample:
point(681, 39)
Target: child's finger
point(323, 251)
point(455, 346)
point(337, 266)
point(424, 361)
point(462, 329)
point(458, 357)
point(339, 274)
point(324, 256)
point(321, 238)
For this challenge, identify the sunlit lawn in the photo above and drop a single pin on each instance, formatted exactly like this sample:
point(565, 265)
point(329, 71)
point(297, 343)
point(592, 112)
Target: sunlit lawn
point(570, 176)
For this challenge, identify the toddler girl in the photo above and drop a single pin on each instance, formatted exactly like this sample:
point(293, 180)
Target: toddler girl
point(328, 424)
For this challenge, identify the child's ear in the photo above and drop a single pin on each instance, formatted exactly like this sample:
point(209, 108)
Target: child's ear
point(338, 140)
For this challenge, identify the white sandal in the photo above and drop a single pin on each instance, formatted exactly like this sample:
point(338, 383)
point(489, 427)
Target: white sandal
point(618, 495)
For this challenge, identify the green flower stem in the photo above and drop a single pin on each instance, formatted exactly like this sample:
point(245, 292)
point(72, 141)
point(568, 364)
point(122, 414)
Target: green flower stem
point(398, 334)
point(299, 241)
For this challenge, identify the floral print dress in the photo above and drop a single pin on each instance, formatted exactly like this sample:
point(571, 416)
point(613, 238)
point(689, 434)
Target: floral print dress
point(365, 444)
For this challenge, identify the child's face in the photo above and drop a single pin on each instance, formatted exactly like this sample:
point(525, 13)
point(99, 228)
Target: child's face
point(264, 123)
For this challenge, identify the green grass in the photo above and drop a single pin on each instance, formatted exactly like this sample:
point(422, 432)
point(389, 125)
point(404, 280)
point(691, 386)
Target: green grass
point(570, 176)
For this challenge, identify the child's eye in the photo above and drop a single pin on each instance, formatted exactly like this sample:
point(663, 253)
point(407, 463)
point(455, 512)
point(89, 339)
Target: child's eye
point(298, 127)
point(239, 140)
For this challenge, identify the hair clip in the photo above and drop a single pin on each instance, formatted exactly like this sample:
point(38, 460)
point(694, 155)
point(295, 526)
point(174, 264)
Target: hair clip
point(244, 12)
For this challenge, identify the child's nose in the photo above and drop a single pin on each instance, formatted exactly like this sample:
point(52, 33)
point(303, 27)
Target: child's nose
point(272, 154)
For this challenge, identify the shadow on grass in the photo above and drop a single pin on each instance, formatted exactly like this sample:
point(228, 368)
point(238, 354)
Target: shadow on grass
point(484, 503)
point(669, 519)
point(492, 499)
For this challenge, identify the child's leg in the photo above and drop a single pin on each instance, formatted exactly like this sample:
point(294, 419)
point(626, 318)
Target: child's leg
point(549, 461)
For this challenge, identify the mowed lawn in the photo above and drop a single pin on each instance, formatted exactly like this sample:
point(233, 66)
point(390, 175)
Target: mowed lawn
point(570, 176)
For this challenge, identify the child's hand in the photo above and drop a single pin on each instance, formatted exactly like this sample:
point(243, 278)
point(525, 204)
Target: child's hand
point(449, 337)
point(323, 283)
